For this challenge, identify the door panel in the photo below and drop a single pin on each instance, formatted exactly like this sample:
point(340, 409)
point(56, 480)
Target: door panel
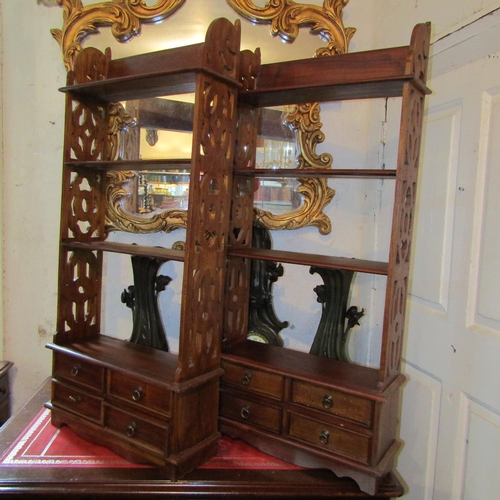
point(451, 404)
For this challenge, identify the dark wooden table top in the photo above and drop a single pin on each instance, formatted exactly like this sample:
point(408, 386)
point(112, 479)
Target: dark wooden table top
point(146, 483)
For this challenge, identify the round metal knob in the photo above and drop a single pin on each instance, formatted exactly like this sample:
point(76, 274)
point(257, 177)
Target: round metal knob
point(246, 379)
point(75, 399)
point(131, 429)
point(74, 371)
point(324, 437)
point(327, 402)
point(137, 394)
point(245, 412)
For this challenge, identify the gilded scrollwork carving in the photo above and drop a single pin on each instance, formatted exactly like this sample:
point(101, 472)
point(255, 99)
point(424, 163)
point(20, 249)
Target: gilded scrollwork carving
point(315, 196)
point(287, 16)
point(123, 16)
point(304, 119)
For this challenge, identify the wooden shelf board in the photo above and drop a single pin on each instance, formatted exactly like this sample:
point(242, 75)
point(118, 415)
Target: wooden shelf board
point(323, 172)
point(359, 265)
point(128, 249)
point(356, 75)
point(347, 377)
point(173, 164)
point(140, 86)
point(115, 353)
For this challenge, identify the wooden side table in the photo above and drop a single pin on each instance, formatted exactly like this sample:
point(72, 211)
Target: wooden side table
point(4, 391)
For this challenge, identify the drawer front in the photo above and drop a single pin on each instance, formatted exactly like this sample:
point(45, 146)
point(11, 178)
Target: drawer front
point(330, 438)
point(140, 394)
point(334, 402)
point(76, 401)
point(249, 412)
point(78, 372)
point(261, 382)
point(136, 429)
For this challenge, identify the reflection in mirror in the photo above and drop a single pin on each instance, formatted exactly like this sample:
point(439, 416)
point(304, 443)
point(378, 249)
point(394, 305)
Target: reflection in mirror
point(158, 132)
point(164, 190)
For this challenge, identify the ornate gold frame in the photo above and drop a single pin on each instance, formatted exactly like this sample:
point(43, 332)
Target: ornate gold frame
point(285, 17)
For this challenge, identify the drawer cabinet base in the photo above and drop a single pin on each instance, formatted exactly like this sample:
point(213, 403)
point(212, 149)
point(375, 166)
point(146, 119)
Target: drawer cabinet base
point(138, 411)
point(368, 478)
point(172, 467)
point(311, 411)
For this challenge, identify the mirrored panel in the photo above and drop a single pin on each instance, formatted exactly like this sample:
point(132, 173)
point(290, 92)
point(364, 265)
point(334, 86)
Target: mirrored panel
point(158, 133)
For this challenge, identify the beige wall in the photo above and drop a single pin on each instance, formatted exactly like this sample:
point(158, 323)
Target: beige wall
point(32, 151)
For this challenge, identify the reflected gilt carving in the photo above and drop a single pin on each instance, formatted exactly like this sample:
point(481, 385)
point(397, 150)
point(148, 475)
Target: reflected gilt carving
point(123, 16)
point(119, 121)
point(119, 218)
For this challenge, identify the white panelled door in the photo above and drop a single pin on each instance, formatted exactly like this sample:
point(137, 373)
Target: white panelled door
point(450, 419)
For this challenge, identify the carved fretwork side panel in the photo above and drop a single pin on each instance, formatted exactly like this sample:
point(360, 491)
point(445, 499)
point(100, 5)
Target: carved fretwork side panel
point(240, 233)
point(83, 207)
point(208, 223)
point(402, 228)
point(222, 49)
point(79, 303)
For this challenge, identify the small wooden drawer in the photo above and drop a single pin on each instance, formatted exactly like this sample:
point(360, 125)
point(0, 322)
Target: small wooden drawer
point(140, 394)
point(329, 437)
point(142, 431)
point(78, 372)
point(250, 379)
point(332, 401)
point(250, 412)
point(77, 401)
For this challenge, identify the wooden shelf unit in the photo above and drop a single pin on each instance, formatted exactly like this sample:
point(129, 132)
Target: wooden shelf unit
point(313, 411)
point(148, 405)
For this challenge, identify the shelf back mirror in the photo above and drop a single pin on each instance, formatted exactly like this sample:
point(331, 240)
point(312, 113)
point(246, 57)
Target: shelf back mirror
point(146, 202)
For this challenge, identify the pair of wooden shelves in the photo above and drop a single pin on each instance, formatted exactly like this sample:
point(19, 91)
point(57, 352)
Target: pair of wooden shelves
point(269, 396)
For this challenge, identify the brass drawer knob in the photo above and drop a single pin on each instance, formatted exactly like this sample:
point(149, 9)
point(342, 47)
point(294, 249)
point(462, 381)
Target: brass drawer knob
point(246, 379)
point(327, 402)
point(74, 371)
point(137, 394)
point(75, 399)
point(245, 412)
point(131, 429)
point(324, 437)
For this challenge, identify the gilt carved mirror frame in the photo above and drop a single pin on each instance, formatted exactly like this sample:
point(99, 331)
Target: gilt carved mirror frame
point(125, 18)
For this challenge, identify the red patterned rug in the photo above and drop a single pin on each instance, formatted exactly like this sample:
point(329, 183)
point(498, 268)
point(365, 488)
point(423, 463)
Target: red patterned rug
point(43, 445)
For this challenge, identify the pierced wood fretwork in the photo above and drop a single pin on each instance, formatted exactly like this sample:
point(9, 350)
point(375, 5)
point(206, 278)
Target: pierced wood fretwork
point(403, 218)
point(241, 222)
point(79, 314)
point(214, 131)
